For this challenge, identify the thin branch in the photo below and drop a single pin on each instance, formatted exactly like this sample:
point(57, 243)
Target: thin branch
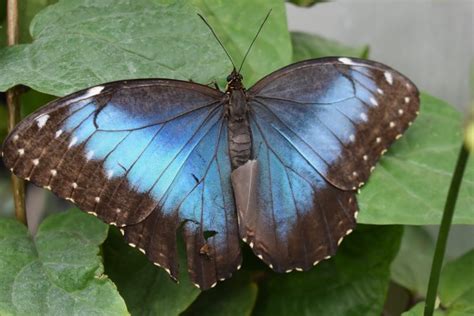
point(444, 230)
point(13, 104)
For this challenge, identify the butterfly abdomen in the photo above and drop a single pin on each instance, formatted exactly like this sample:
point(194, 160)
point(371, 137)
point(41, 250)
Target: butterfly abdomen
point(240, 142)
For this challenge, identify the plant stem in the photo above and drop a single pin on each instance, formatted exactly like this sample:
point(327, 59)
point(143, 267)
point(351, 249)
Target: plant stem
point(444, 230)
point(13, 104)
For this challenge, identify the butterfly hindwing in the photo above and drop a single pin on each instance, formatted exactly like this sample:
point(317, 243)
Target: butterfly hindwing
point(342, 114)
point(297, 217)
point(145, 155)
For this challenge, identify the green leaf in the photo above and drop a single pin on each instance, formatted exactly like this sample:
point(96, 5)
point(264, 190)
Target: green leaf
point(235, 296)
point(82, 43)
point(354, 282)
point(6, 197)
point(57, 273)
point(147, 289)
point(307, 46)
point(410, 268)
point(418, 310)
point(456, 287)
point(410, 183)
point(306, 3)
point(237, 22)
point(26, 10)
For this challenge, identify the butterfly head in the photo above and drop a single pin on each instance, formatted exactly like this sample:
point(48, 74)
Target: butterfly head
point(234, 81)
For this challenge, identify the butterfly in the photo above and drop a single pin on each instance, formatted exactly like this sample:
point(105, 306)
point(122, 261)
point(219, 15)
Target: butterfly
point(276, 166)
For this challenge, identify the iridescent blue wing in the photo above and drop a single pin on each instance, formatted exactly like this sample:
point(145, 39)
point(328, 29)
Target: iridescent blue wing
point(144, 155)
point(318, 129)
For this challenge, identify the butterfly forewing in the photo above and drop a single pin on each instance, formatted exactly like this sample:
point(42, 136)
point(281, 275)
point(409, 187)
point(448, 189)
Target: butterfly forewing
point(341, 114)
point(147, 155)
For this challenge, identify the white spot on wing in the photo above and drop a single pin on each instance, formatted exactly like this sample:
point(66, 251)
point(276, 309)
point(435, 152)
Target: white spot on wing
point(380, 91)
point(400, 111)
point(15, 138)
point(41, 120)
point(365, 157)
point(89, 93)
point(352, 137)
point(110, 173)
point(340, 240)
point(363, 116)
point(21, 151)
point(346, 61)
point(58, 133)
point(89, 155)
point(74, 185)
point(388, 77)
point(73, 142)
point(392, 124)
point(53, 172)
point(35, 161)
point(407, 99)
point(378, 139)
point(374, 102)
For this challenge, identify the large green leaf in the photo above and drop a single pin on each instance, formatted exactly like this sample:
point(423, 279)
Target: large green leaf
point(418, 310)
point(82, 43)
point(26, 10)
point(456, 287)
point(307, 46)
point(410, 183)
point(147, 289)
point(59, 272)
point(455, 290)
point(236, 23)
point(236, 296)
point(411, 266)
point(354, 282)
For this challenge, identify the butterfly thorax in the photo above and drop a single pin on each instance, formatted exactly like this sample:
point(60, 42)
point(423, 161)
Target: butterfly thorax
point(240, 140)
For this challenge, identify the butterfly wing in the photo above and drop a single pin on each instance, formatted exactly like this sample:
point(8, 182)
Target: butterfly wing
point(318, 128)
point(342, 113)
point(145, 155)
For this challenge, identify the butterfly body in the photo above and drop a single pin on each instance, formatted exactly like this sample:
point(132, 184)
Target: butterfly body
point(236, 112)
point(276, 166)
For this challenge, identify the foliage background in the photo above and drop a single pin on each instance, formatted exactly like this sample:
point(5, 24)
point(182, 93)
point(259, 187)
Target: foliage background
point(56, 274)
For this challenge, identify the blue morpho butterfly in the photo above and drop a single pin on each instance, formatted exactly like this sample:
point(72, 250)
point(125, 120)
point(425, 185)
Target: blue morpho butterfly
point(277, 165)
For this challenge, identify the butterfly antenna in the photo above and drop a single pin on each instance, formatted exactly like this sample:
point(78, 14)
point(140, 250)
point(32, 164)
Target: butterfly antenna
point(217, 38)
point(253, 41)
